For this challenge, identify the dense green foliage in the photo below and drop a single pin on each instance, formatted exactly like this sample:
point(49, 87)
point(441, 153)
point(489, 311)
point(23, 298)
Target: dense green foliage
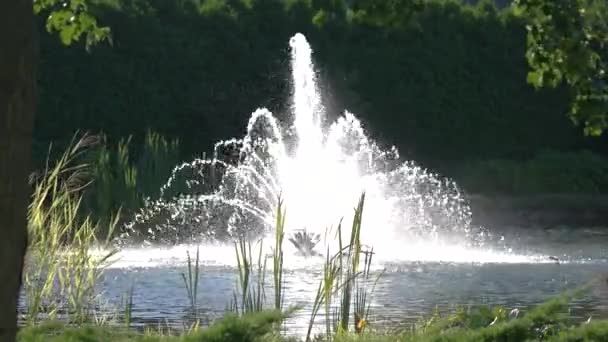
point(71, 20)
point(441, 80)
point(116, 178)
point(568, 43)
point(123, 176)
point(548, 172)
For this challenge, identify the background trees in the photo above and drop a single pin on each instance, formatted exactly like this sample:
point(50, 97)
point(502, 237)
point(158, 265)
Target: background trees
point(568, 43)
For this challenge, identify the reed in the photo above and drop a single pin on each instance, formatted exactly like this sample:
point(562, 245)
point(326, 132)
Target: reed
point(345, 281)
point(249, 295)
point(362, 304)
point(61, 270)
point(191, 282)
point(348, 257)
point(324, 295)
point(127, 301)
point(277, 256)
point(126, 174)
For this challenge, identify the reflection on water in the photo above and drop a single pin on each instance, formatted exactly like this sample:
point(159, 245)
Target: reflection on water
point(418, 223)
point(407, 290)
point(405, 293)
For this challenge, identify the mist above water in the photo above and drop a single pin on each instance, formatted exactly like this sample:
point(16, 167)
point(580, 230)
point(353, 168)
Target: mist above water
point(319, 171)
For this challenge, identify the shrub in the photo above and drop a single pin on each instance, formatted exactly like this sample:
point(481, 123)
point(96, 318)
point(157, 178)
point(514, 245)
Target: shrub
point(441, 80)
point(548, 172)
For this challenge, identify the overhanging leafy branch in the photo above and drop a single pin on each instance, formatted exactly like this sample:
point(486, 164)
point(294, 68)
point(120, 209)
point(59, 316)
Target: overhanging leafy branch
point(568, 43)
point(72, 20)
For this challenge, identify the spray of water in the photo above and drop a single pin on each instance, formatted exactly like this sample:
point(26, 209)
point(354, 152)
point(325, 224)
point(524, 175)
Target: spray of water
point(320, 171)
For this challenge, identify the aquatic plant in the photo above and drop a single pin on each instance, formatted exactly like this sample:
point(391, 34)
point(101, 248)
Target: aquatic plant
point(342, 278)
point(191, 282)
point(362, 303)
point(305, 243)
point(61, 271)
point(249, 295)
point(128, 313)
point(125, 176)
point(324, 296)
point(277, 255)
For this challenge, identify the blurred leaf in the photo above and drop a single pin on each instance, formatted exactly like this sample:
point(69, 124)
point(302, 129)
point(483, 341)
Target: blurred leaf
point(71, 20)
point(568, 41)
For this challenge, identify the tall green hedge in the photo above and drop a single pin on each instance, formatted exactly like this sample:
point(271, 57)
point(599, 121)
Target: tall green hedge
point(441, 80)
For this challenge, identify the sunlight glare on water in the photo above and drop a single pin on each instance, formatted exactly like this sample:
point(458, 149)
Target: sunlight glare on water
point(224, 256)
point(320, 170)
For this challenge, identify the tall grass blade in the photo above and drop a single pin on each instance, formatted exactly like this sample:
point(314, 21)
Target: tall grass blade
point(61, 270)
point(191, 282)
point(278, 255)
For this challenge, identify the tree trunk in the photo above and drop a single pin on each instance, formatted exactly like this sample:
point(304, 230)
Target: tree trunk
point(17, 103)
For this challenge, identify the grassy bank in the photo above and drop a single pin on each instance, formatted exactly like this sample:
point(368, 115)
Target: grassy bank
point(547, 322)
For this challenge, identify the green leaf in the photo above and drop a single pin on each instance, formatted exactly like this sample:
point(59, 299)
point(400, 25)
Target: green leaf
point(320, 18)
point(67, 34)
point(566, 41)
point(71, 20)
point(535, 78)
point(593, 131)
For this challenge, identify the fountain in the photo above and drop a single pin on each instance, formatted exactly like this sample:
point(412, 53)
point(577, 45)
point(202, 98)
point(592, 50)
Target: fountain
point(418, 222)
point(319, 170)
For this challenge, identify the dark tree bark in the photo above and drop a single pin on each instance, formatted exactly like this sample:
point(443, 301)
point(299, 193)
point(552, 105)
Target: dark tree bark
point(18, 56)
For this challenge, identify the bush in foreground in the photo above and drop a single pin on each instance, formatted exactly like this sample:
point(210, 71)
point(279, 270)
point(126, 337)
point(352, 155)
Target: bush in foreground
point(248, 328)
point(546, 322)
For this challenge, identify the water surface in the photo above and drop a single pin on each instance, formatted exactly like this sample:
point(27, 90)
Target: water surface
point(409, 289)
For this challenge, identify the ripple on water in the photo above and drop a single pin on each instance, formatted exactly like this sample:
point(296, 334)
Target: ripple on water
point(405, 292)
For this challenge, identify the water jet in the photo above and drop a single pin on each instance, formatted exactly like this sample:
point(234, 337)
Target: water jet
point(320, 169)
point(418, 223)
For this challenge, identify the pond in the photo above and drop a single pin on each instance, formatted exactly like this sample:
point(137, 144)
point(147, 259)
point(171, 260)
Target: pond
point(428, 252)
point(407, 290)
